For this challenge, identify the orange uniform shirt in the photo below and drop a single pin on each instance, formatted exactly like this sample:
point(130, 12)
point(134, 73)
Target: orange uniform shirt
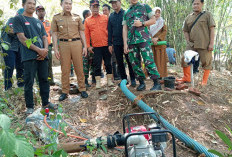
point(96, 30)
point(47, 26)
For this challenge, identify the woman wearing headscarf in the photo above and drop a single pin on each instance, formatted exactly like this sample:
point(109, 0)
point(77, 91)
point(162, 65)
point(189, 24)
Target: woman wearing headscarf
point(158, 32)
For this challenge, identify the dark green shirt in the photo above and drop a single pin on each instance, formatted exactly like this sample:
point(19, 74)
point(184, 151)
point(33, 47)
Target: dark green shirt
point(12, 39)
point(31, 27)
point(142, 12)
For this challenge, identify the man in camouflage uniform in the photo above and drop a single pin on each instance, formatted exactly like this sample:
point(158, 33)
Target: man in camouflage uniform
point(88, 68)
point(88, 60)
point(137, 42)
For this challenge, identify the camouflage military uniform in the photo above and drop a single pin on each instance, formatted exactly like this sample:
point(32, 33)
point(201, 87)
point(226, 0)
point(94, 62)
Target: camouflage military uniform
point(139, 40)
point(88, 64)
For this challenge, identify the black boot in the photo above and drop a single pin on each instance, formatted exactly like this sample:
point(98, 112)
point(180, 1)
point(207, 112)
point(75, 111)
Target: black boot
point(156, 86)
point(133, 83)
point(87, 82)
point(114, 68)
point(93, 79)
point(84, 94)
point(63, 96)
point(142, 85)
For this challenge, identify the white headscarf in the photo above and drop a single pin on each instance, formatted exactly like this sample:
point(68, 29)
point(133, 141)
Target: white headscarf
point(158, 25)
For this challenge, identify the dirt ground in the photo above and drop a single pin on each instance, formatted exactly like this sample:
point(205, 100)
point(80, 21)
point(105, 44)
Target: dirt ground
point(196, 116)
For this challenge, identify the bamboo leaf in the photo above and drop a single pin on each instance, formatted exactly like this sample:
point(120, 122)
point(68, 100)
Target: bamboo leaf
point(215, 152)
point(104, 148)
point(224, 138)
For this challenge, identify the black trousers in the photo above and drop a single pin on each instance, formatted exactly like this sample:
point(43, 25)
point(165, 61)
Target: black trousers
point(13, 60)
point(99, 54)
point(119, 51)
point(196, 66)
point(31, 68)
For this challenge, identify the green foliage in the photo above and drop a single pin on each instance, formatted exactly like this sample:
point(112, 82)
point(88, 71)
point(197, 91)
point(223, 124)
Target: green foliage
point(5, 46)
point(226, 140)
point(91, 146)
point(1, 12)
point(30, 41)
point(100, 144)
point(13, 4)
point(56, 153)
point(10, 144)
point(4, 122)
point(60, 153)
point(2, 105)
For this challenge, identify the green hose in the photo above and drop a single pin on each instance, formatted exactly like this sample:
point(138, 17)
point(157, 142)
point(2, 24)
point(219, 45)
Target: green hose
point(160, 43)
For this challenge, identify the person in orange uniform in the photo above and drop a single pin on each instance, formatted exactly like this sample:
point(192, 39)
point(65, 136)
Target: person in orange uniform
point(67, 27)
point(40, 12)
point(96, 29)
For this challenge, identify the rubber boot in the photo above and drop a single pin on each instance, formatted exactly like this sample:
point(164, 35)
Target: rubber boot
point(156, 85)
point(205, 77)
point(87, 82)
point(109, 80)
point(98, 82)
point(142, 85)
point(187, 75)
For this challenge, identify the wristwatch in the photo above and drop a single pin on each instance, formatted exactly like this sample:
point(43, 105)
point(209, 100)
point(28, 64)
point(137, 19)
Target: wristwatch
point(143, 23)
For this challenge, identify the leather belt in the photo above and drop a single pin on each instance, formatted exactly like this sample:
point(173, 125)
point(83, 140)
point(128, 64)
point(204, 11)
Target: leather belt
point(67, 40)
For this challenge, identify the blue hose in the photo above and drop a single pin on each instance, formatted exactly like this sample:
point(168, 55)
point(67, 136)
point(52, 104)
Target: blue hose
point(180, 135)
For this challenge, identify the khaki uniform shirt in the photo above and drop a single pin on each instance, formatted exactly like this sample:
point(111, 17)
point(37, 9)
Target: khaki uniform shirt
point(67, 26)
point(200, 33)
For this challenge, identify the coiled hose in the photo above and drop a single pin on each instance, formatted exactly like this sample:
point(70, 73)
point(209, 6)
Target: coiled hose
point(180, 135)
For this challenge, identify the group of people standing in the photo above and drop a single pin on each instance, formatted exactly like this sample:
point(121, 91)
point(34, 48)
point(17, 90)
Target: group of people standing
point(129, 34)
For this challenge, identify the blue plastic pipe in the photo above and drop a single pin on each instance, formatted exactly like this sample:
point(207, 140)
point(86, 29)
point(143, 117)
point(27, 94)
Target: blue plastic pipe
point(180, 135)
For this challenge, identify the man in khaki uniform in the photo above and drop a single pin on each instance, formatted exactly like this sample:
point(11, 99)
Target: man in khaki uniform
point(69, 30)
point(200, 38)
